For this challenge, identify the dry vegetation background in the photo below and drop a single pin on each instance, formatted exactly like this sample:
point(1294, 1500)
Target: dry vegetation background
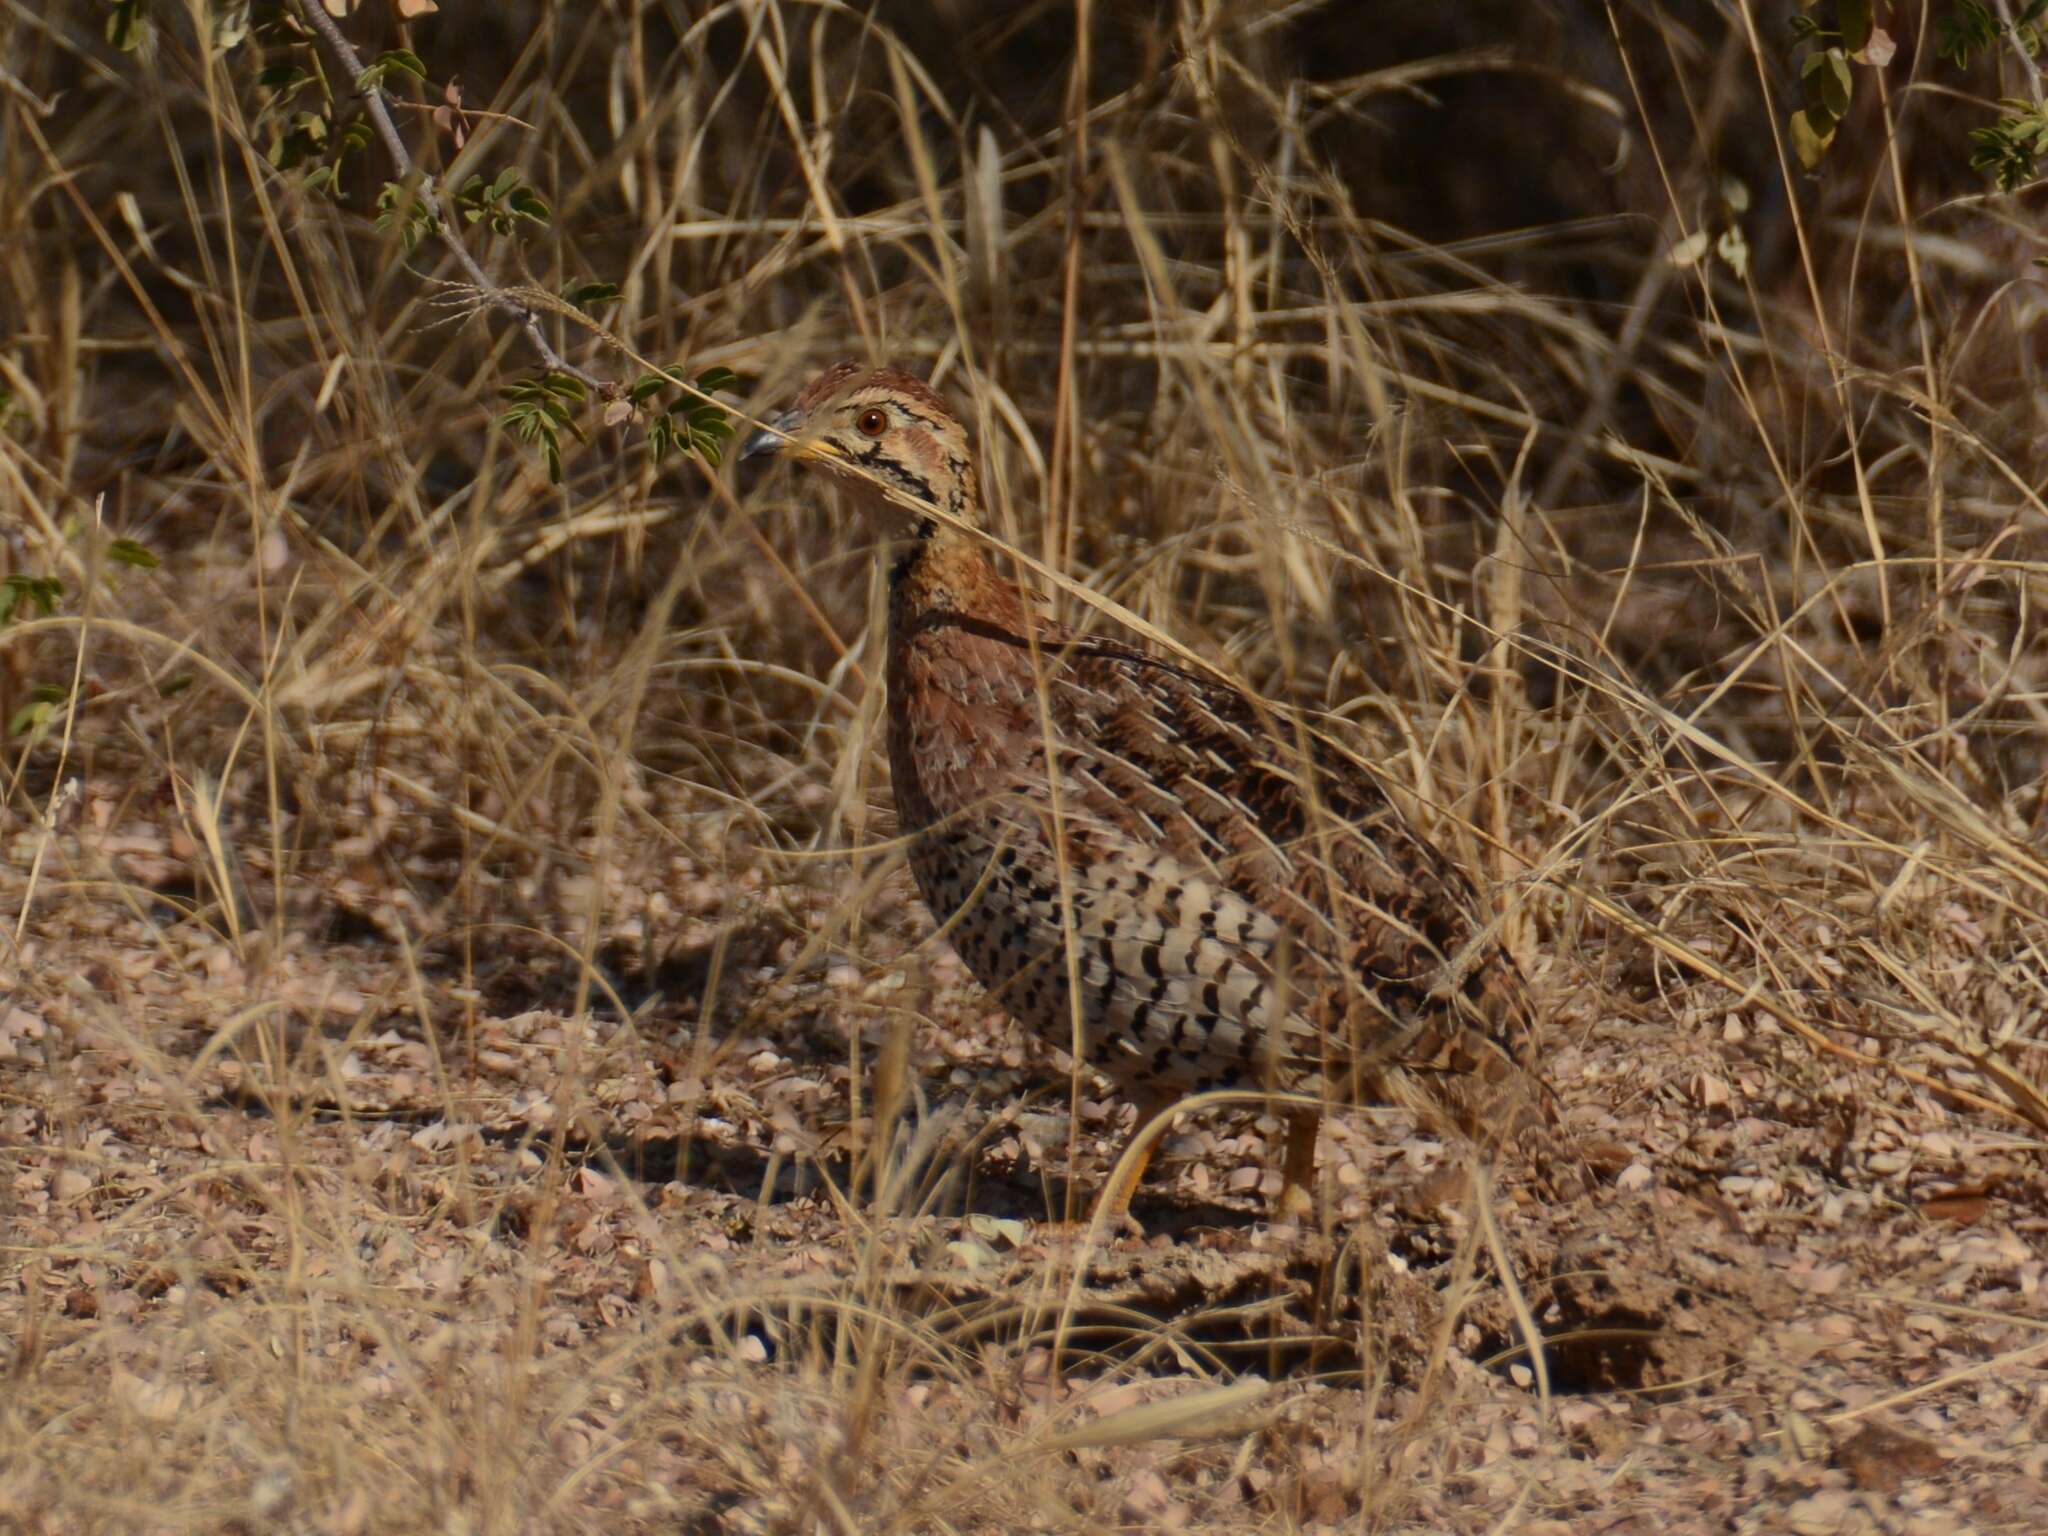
point(469, 1057)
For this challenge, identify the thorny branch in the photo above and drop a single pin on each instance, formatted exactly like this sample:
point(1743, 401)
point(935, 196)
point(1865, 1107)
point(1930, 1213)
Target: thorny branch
point(315, 15)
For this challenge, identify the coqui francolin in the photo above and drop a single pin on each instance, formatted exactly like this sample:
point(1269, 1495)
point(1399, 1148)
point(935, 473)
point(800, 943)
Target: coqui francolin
point(1186, 888)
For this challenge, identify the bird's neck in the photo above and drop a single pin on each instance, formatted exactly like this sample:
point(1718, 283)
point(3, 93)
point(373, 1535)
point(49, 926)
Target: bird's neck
point(946, 571)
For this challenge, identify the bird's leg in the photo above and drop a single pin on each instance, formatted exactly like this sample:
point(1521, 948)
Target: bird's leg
point(1297, 1202)
point(1132, 1159)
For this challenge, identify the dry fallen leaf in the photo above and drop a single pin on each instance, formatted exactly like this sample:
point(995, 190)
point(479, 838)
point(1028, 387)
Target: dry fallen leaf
point(1961, 1207)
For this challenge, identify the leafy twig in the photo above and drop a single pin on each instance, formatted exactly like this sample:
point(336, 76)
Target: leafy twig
point(378, 108)
point(2012, 30)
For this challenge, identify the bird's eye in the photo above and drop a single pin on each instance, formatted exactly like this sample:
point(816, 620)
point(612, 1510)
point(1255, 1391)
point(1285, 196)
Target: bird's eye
point(874, 421)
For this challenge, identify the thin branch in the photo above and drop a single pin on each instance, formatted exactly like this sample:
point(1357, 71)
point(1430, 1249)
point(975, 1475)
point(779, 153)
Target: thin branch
point(379, 108)
point(36, 104)
point(2012, 36)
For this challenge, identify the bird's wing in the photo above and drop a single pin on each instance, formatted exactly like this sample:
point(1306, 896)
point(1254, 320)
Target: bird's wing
point(1378, 932)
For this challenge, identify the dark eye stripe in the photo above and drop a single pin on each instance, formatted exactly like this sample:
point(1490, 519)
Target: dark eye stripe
point(876, 458)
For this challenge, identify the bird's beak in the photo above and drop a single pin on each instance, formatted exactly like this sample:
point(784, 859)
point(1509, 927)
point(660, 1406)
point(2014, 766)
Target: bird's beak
point(777, 435)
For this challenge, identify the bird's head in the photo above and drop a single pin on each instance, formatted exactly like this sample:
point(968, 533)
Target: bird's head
point(875, 427)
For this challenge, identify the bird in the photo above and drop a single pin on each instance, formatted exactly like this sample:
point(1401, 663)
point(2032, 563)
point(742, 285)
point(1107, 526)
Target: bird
point(1186, 887)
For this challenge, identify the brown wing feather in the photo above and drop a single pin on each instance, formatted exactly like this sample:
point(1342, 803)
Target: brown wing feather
point(1299, 829)
point(1245, 908)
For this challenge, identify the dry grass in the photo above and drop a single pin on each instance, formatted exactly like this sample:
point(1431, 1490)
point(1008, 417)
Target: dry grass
point(469, 1056)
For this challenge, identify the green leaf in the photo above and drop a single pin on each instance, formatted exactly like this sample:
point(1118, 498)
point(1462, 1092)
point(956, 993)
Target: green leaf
point(43, 592)
point(413, 224)
point(1854, 19)
point(507, 180)
point(661, 437)
point(2006, 150)
point(408, 61)
point(400, 60)
point(1827, 83)
point(691, 425)
point(709, 427)
point(33, 715)
point(1808, 142)
point(529, 204)
point(1967, 29)
point(128, 552)
point(540, 411)
point(588, 294)
point(125, 25)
